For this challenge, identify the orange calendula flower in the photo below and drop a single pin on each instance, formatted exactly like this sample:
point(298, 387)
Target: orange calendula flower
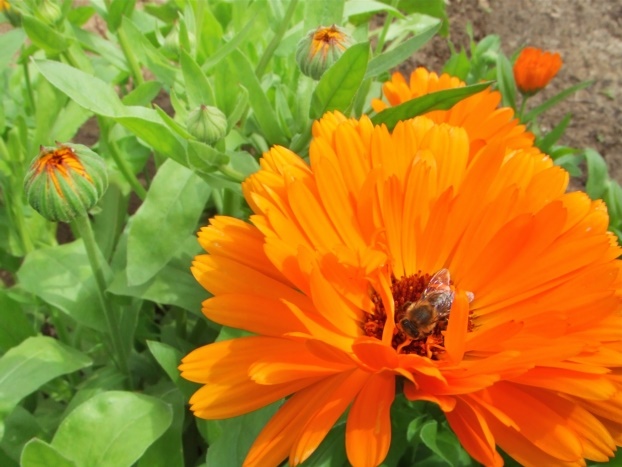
point(534, 68)
point(65, 181)
point(479, 114)
point(474, 280)
point(4, 5)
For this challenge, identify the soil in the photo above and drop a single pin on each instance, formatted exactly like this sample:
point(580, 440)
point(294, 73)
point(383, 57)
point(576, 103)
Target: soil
point(588, 35)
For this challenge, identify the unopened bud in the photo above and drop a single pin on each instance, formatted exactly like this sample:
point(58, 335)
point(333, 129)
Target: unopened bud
point(49, 12)
point(65, 182)
point(320, 48)
point(207, 124)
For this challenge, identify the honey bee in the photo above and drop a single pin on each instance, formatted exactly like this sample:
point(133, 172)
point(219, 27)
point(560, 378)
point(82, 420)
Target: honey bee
point(421, 317)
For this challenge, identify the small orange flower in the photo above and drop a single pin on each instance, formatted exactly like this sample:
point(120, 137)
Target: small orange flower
point(529, 356)
point(4, 5)
point(479, 114)
point(534, 69)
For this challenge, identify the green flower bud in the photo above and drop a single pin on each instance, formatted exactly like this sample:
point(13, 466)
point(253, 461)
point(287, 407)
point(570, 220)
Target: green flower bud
point(65, 182)
point(207, 124)
point(13, 15)
point(319, 49)
point(49, 12)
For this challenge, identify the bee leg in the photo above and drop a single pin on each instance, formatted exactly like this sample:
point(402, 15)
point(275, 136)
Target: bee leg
point(403, 344)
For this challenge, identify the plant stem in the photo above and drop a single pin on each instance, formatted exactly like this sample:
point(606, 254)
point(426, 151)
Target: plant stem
point(385, 29)
point(83, 226)
point(120, 161)
point(276, 40)
point(232, 173)
point(31, 97)
point(522, 108)
point(137, 73)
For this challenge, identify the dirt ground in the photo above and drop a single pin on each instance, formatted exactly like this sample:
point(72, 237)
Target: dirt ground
point(587, 34)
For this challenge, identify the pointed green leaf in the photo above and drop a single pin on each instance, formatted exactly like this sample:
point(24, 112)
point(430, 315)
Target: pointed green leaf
point(546, 143)
point(505, 81)
point(262, 108)
point(205, 158)
point(340, 82)
point(62, 276)
point(34, 362)
point(10, 42)
point(198, 88)
point(597, 175)
point(38, 453)
point(88, 91)
point(322, 13)
point(43, 36)
point(556, 99)
point(168, 216)
point(112, 429)
point(440, 100)
point(394, 57)
point(14, 324)
point(143, 94)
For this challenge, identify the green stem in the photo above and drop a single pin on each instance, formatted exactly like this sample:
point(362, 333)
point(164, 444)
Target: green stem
point(120, 161)
point(385, 29)
point(83, 226)
point(521, 112)
point(31, 97)
point(130, 57)
point(233, 174)
point(276, 40)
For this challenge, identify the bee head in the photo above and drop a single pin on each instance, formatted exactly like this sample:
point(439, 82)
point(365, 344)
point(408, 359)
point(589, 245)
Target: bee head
point(409, 328)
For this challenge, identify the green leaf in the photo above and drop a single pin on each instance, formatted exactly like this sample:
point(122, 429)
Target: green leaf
point(553, 101)
point(505, 81)
point(198, 88)
point(116, 10)
point(112, 429)
point(62, 276)
point(613, 199)
point(43, 36)
point(332, 450)
point(143, 94)
point(545, 144)
point(340, 82)
point(259, 102)
point(440, 100)
point(148, 54)
point(148, 126)
point(34, 362)
point(205, 158)
point(169, 215)
point(38, 453)
point(10, 42)
point(458, 65)
point(322, 13)
point(361, 7)
point(172, 285)
point(88, 91)
point(597, 176)
point(14, 325)
point(230, 46)
point(169, 359)
point(230, 449)
point(392, 58)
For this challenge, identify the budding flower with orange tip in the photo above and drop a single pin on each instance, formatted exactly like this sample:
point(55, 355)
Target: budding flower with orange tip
point(320, 48)
point(534, 69)
point(4, 5)
point(65, 182)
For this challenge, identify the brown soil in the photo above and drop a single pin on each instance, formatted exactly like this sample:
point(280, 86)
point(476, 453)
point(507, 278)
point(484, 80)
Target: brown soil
point(588, 35)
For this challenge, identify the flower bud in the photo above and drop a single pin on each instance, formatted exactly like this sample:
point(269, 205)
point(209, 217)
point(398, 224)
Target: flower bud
point(207, 124)
point(49, 12)
point(534, 68)
point(65, 182)
point(320, 48)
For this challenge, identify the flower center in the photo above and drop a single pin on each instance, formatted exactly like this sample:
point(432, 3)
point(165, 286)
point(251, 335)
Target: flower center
point(422, 307)
point(324, 38)
point(62, 160)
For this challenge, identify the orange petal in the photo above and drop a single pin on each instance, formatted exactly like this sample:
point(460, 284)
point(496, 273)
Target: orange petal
point(368, 429)
point(457, 328)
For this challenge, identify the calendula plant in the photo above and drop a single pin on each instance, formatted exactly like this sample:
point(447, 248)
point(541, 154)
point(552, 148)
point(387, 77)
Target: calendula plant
point(388, 269)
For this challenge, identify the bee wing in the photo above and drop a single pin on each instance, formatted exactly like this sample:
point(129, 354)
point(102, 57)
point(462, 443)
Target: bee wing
point(439, 283)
